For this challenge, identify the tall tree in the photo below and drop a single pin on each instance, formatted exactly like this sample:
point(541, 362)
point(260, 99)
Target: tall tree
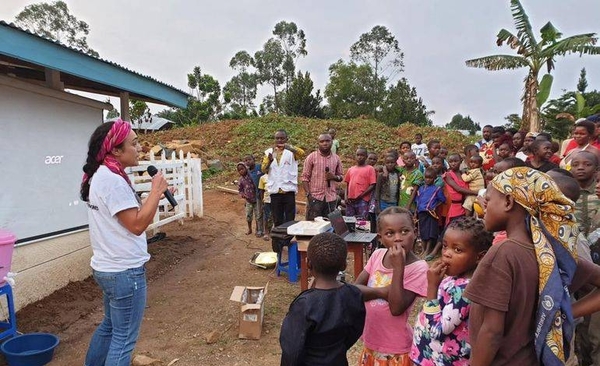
point(555, 115)
point(352, 90)
point(267, 106)
point(269, 63)
point(54, 21)
point(299, 100)
point(534, 55)
point(139, 112)
point(293, 42)
point(460, 122)
point(239, 93)
point(582, 83)
point(380, 50)
point(203, 84)
point(402, 105)
point(513, 121)
point(241, 89)
point(241, 62)
point(113, 113)
point(204, 105)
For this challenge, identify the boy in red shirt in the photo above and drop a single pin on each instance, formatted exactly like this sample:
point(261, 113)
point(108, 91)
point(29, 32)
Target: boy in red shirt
point(360, 180)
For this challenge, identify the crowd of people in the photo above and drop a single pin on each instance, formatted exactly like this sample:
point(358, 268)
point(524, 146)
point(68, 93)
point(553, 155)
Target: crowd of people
point(510, 230)
point(508, 265)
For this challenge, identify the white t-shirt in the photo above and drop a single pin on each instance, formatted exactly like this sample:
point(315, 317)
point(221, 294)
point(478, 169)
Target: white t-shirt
point(419, 149)
point(115, 248)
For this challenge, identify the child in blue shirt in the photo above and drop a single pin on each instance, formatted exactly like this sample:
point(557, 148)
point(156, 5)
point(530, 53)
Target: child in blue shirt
point(255, 172)
point(429, 196)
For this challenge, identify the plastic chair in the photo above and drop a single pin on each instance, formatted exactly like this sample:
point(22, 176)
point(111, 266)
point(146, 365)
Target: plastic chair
point(292, 266)
point(9, 327)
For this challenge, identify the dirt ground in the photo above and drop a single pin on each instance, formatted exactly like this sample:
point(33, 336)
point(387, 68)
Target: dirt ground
point(190, 278)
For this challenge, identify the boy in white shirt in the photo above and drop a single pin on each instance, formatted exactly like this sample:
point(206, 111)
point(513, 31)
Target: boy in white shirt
point(419, 147)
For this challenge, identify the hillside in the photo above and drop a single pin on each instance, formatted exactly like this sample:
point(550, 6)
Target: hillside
point(230, 140)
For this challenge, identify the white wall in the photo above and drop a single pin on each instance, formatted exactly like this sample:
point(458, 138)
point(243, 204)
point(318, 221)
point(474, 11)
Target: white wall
point(38, 195)
point(43, 146)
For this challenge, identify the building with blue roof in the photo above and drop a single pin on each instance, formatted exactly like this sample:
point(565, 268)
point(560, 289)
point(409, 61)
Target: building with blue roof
point(44, 131)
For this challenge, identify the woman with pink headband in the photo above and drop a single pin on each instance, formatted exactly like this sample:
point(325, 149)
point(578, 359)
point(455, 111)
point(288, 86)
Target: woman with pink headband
point(117, 222)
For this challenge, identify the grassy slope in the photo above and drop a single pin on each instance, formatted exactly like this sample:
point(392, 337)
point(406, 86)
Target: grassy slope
point(231, 140)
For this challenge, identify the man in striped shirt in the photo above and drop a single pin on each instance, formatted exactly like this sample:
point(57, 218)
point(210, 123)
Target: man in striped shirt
point(320, 177)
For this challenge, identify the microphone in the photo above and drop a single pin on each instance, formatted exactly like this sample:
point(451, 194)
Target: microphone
point(168, 195)
point(328, 181)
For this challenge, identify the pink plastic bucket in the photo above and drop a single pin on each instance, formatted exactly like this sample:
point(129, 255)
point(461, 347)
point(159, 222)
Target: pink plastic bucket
point(7, 244)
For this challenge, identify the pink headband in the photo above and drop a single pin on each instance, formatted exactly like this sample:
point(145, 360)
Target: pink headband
point(117, 134)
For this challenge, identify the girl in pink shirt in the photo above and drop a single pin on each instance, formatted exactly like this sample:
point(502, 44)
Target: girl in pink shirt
point(390, 282)
point(360, 180)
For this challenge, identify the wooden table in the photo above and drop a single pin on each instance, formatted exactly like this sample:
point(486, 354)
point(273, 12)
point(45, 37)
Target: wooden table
point(356, 249)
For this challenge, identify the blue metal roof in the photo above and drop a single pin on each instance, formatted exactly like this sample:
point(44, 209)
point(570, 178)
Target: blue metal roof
point(83, 71)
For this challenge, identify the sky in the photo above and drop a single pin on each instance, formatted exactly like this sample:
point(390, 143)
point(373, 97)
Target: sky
point(166, 39)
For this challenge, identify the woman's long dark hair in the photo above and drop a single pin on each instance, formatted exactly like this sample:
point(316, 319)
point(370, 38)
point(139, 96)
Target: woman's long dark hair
point(91, 165)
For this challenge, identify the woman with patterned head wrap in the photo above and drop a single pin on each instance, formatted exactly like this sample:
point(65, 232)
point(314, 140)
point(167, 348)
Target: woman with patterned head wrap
point(117, 224)
point(521, 312)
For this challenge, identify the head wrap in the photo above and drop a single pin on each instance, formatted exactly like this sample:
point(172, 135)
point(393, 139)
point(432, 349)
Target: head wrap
point(115, 136)
point(554, 231)
point(532, 134)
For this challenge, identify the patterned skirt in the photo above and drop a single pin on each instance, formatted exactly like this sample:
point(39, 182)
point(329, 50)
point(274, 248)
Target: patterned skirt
point(369, 357)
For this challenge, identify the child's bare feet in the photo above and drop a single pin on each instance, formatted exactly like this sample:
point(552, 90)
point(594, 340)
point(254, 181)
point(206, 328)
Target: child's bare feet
point(266, 237)
point(248, 232)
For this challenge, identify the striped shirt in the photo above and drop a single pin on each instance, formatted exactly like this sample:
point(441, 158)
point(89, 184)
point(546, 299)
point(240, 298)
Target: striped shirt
point(314, 173)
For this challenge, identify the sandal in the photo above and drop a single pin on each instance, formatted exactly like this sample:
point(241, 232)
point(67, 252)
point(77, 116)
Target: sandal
point(157, 237)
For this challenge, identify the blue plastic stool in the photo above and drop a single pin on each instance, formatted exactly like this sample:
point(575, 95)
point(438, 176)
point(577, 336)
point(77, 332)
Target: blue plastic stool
point(292, 266)
point(9, 327)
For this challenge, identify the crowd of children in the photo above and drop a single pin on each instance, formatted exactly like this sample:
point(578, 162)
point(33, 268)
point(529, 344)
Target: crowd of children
point(252, 188)
point(519, 258)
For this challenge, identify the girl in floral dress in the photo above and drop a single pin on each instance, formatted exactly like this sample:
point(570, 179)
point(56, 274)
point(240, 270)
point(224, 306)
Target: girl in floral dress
point(441, 332)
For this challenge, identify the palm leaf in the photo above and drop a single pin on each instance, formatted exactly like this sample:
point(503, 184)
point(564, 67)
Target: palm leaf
point(549, 33)
point(506, 36)
point(581, 43)
point(524, 29)
point(498, 62)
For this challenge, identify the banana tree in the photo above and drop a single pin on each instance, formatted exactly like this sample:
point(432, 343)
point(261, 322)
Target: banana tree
point(534, 55)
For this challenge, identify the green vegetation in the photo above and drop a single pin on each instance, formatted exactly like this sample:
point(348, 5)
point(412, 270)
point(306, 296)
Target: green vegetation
point(534, 55)
point(231, 140)
point(55, 21)
point(460, 122)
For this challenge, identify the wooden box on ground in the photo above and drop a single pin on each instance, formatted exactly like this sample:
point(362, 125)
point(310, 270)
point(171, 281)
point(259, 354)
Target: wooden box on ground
point(252, 309)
